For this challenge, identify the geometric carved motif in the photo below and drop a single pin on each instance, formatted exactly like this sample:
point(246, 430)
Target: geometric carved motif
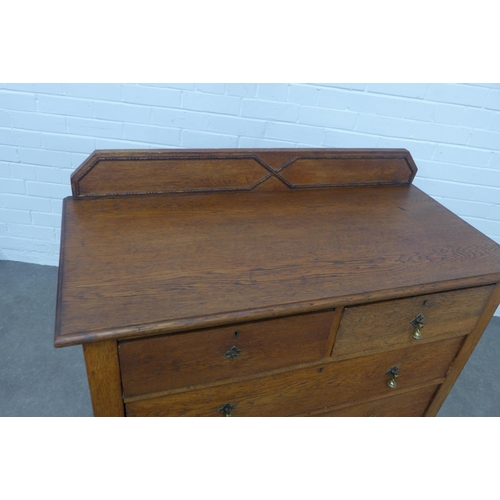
point(122, 172)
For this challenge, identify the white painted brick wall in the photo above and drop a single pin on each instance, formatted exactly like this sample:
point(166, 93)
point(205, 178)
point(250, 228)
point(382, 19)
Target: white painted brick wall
point(47, 130)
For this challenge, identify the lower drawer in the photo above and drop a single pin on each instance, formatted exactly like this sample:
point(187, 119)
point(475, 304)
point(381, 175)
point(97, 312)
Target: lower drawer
point(409, 404)
point(299, 391)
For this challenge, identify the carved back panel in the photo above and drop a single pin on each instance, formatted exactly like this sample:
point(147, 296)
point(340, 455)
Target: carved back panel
point(143, 172)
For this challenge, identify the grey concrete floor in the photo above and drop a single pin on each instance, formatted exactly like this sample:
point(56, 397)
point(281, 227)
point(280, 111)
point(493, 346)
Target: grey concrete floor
point(38, 380)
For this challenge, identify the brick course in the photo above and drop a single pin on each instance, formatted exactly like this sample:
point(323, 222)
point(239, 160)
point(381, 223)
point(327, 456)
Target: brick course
point(47, 130)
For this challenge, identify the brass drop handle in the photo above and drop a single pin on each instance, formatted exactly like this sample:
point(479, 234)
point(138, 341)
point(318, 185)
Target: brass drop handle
point(226, 409)
point(393, 373)
point(418, 324)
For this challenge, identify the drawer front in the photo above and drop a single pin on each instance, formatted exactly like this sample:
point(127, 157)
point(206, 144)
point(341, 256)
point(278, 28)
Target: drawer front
point(180, 360)
point(381, 326)
point(410, 404)
point(299, 391)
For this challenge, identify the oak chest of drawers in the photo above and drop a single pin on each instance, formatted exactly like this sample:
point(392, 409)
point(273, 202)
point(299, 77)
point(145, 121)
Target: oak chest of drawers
point(268, 283)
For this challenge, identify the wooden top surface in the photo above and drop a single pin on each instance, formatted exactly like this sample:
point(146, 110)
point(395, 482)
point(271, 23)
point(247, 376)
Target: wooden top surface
point(139, 264)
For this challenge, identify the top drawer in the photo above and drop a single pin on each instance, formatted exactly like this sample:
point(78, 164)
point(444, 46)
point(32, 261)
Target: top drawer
point(184, 359)
point(382, 326)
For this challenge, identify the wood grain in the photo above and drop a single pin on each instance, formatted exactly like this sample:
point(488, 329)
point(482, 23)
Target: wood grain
point(103, 372)
point(140, 265)
point(410, 404)
point(298, 391)
point(144, 172)
point(465, 352)
point(339, 312)
point(166, 362)
point(167, 253)
point(115, 177)
point(386, 325)
point(338, 171)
